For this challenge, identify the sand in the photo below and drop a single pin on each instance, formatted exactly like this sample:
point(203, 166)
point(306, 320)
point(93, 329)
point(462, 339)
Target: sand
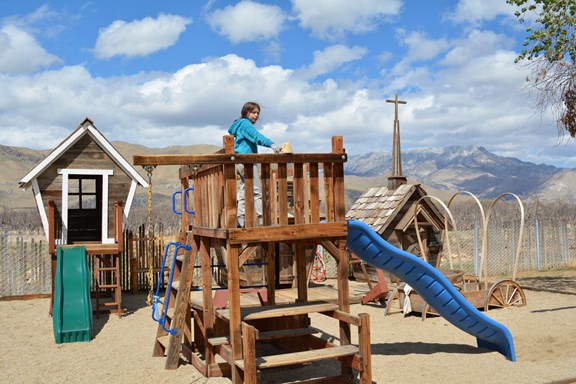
point(405, 349)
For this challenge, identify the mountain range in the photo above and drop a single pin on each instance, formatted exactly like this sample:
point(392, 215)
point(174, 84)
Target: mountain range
point(442, 172)
point(472, 169)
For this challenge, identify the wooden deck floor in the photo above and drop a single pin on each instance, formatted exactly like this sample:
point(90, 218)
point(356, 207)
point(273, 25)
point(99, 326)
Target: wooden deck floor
point(325, 291)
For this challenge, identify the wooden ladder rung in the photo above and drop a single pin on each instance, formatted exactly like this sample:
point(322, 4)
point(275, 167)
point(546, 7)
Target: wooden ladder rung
point(301, 357)
point(108, 286)
point(163, 340)
point(109, 304)
point(215, 341)
point(271, 335)
point(107, 269)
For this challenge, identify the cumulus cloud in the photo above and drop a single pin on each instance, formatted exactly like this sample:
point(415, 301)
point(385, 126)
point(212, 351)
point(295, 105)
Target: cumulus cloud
point(475, 12)
point(332, 19)
point(21, 53)
point(329, 59)
point(421, 47)
point(140, 37)
point(247, 21)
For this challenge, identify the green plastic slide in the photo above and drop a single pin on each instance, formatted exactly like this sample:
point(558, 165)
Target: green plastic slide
point(72, 309)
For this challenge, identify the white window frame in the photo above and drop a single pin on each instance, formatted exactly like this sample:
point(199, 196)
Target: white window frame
point(105, 173)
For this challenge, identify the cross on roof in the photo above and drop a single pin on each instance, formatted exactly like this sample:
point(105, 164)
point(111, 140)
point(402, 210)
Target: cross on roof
point(396, 102)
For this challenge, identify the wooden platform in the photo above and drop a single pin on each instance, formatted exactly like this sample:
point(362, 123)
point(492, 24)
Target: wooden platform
point(319, 292)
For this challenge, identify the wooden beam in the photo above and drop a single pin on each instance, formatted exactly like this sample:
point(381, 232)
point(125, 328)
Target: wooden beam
point(223, 158)
point(288, 233)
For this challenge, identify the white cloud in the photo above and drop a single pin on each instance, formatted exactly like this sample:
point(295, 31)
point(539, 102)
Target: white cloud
point(140, 37)
point(329, 59)
point(332, 19)
point(421, 47)
point(475, 45)
point(248, 21)
point(21, 53)
point(475, 11)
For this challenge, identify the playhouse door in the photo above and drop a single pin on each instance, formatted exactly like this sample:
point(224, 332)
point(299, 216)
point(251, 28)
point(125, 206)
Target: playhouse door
point(84, 208)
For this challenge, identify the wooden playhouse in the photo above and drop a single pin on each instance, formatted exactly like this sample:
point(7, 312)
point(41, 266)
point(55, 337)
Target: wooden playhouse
point(83, 191)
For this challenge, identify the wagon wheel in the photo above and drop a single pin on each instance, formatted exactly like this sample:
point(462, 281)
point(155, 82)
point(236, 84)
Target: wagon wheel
point(504, 294)
point(393, 300)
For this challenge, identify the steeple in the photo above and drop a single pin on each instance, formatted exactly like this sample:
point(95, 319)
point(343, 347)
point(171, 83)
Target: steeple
point(396, 178)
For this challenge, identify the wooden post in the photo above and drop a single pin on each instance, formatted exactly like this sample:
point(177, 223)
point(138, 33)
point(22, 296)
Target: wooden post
point(207, 307)
point(249, 335)
point(365, 349)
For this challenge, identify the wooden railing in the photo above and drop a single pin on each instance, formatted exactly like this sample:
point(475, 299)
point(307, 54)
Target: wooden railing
point(297, 189)
point(54, 231)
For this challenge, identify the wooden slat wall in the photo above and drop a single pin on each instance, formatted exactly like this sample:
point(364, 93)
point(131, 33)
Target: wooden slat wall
point(298, 182)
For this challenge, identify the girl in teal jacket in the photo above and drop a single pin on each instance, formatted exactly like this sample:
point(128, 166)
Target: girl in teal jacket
point(246, 141)
point(246, 136)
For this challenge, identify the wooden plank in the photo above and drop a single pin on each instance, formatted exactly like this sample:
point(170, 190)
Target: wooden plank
point(365, 349)
point(288, 233)
point(283, 333)
point(235, 158)
point(340, 379)
point(266, 195)
point(215, 233)
point(249, 361)
point(314, 194)
point(282, 194)
point(280, 310)
point(208, 309)
point(302, 357)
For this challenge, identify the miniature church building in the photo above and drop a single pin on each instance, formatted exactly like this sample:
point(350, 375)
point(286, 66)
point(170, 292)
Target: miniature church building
point(391, 211)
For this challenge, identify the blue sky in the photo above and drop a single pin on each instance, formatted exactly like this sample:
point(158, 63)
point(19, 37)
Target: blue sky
point(174, 72)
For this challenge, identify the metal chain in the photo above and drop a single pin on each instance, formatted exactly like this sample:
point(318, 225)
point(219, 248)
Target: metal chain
point(150, 243)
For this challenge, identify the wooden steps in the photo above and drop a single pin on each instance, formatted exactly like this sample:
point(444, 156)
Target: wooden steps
point(108, 293)
point(301, 357)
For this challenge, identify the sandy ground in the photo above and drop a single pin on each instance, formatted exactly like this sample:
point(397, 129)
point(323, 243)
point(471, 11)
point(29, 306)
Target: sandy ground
point(404, 349)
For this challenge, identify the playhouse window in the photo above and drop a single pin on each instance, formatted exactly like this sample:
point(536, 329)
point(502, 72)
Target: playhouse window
point(82, 192)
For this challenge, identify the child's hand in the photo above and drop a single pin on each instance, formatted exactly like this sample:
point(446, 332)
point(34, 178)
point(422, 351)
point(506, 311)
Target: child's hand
point(276, 148)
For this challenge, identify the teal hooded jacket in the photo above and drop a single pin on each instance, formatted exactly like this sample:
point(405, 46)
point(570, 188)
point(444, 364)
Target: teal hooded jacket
point(246, 137)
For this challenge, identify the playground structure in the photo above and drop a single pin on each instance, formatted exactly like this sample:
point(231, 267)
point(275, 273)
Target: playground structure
point(222, 341)
point(226, 339)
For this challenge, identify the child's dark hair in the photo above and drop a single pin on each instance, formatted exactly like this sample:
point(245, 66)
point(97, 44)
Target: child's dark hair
point(249, 107)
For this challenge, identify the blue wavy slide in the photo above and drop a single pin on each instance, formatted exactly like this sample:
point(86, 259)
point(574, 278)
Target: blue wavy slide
point(432, 285)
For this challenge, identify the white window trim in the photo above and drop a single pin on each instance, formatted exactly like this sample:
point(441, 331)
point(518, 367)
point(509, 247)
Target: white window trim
point(105, 173)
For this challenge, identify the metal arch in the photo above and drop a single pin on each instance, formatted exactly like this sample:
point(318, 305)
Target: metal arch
point(447, 212)
point(521, 232)
point(483, 256)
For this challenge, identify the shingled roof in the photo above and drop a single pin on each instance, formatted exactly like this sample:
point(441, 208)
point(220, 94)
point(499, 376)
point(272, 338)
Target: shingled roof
point(379, 207)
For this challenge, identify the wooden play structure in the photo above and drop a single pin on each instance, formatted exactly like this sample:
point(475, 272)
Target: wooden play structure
point(83, 190)
point(235, 339)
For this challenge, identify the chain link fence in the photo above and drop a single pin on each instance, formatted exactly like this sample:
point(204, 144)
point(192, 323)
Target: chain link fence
point(25, 265)
point(544, 245)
